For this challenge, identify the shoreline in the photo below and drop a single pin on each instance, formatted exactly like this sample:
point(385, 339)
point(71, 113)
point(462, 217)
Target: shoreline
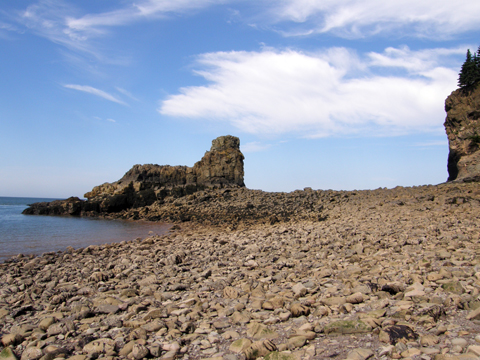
point(386, 273)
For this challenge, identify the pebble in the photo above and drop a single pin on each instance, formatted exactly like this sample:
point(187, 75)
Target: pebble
point(347, 275)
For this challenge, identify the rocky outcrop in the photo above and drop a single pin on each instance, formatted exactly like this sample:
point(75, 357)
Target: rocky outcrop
point(463, 130)
point(142, 185)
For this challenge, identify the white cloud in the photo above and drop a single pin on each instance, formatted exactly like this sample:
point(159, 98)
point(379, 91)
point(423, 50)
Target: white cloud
point(111, 120)
point(62, 23)
point(358, 18)
point(94, 91)
point(254, 146)
point(334, 92)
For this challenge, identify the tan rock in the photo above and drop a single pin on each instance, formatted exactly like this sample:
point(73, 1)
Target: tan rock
point(347, 327)
point(474, 349)
point(46, 322)
point(230, 292)
point(298, 309)
point(356, 298)
point(360, 354)
point(429, 340)
point(11, 339)
point(31, 353)
point(334, 301)
point(259, 331)
point(296, 342)
point(101, 346)
point(140, 351)
point(7, 354)
point(259, 349)
point(240, 345)
point(474, 315)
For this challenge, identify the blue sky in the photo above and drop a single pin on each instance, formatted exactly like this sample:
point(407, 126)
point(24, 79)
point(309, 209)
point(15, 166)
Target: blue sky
point(322, 93)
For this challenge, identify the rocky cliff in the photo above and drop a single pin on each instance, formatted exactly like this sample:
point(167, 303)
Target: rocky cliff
point(142, 185)
point(463, 130)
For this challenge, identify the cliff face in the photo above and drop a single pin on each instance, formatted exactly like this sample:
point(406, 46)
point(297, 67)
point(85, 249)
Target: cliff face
point(142, 185)
point(462, 126)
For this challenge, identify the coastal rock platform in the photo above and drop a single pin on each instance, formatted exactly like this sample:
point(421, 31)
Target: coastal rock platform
point(244, 274)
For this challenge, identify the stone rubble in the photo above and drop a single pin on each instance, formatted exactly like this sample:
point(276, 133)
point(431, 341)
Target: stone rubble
point(380, 274)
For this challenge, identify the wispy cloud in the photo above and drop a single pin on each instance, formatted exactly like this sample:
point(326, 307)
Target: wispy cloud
point(64, 24)
point(432, 143)
point(335, 92)
point(126, 93)
point(94, 91)
point(359, 18)
point(254, 146)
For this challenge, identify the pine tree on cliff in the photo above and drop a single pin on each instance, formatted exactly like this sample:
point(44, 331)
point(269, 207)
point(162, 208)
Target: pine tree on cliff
point(470, 71)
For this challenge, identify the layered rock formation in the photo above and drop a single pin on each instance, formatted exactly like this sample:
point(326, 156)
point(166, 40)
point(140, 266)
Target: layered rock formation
point(142, 185)
point(463, 130)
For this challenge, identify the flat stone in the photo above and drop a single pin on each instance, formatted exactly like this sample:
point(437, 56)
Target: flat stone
point(107, 309)
point(333, 301)
point(429, 340)
point(454, 287)
point(360, 354)
point(46, 322)
point(459, 341)
point(221, 324)
point(7, 354)
point(259, 331)
point(31, 353)
point(356, 298)
point(299, 290)
point(275, 355)
point(101, 346)
point(342, 327)
point(474, 315)
point(259, 349)
point(474, 349)
point(240, 345)
point(140, 351)
point(11, 339)
point(296, 342)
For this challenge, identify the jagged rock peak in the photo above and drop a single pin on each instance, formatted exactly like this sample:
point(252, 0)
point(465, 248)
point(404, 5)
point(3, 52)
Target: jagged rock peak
point(223, 164)
point(462, 126)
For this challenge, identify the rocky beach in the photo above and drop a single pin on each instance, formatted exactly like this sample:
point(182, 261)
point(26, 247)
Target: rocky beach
point(247, 274)
point(322, 274)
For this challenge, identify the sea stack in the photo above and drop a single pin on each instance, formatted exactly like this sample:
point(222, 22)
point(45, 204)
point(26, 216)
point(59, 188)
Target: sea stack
point(463, 130)
point(142, 185)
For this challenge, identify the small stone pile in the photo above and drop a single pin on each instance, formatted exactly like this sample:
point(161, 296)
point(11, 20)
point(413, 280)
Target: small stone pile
point(382, 274)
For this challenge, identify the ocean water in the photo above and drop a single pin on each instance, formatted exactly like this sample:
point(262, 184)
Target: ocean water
point(37, 234)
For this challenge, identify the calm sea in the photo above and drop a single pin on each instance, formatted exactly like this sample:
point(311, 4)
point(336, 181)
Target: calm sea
point(36, 234)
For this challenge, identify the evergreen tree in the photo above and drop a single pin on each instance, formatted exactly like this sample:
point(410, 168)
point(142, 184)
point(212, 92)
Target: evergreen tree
point(470, 71)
